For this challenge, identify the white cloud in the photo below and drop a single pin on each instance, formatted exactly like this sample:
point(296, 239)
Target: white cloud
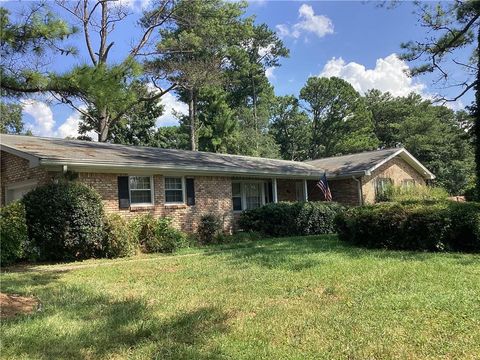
point(389, 74)
point(42, 116)
point(70, 127)
point(269, 73)
point(44, 123)
point(319, 25)
point(171, 104)
point(136, 5)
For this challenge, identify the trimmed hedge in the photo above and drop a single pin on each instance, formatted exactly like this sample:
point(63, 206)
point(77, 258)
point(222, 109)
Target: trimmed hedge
point(64, 221)
point(13, 233)
point(430, 227)
point(291, 218)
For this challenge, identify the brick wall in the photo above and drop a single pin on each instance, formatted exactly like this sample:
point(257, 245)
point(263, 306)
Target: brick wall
point(397, 170)
point(212, 195)
point(14, 169)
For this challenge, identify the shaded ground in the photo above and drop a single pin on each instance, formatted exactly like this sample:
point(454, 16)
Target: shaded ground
point(295, 298)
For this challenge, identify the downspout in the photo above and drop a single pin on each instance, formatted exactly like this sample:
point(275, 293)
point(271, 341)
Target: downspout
point(359, 190)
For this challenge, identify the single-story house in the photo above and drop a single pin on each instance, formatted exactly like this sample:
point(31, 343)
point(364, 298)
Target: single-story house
point(184, 185)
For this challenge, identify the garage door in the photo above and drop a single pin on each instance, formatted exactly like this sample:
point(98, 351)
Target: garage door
point(17, 191)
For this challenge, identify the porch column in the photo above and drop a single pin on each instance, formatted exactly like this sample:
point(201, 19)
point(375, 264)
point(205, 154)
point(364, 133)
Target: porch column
point(274, 190)
point(305, 189)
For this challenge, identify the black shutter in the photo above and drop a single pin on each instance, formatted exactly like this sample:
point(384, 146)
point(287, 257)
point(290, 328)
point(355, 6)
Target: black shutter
point(190, 185)
point(123, 195)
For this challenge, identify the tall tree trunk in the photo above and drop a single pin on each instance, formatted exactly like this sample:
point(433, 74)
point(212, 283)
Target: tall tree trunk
point(191, 117)
point(255, 118)
point(477, 119)
point(103, 126)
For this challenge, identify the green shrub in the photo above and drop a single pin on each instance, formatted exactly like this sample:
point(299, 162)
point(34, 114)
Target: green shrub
point(158, 235)
point(290, 219)
point(426, 228)
point(209, 229)
point(465, 226)
point(317, 218)
point(471, 194)
point(119, 238)
point(273, 219)
point(412, 194)
point(64, 221)
point(429, 227)
point(13, 233)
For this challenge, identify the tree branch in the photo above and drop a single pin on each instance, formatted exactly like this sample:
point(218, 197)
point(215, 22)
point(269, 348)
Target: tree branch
point(86, 20)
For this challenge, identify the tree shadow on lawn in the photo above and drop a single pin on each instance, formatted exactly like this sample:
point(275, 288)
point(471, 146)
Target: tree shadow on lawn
point(78, 324)
point(283, 253)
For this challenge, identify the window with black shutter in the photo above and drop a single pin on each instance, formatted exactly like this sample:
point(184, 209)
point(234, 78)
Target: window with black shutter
point(190, 189)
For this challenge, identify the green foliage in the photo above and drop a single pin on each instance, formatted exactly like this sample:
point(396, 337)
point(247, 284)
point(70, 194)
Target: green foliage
point(157, 234)
point(290, 127)
point(341, 122)
point(11, 119)
point(412, 194)
point(209, 228)
point(171, 137)
point(317, 218)
point(471, 194)
point(291, 218)
point(452, 50)
point(431, 227)
point(13, 233)
point(64, 221)
point(119, 238)
point(435, 135)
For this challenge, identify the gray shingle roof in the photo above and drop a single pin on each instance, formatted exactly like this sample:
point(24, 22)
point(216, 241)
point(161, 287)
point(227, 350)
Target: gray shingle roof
point(365, 162)
point(50, 151)
point(353, 163)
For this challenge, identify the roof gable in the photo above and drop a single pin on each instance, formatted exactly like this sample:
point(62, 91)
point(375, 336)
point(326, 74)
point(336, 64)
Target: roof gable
point(366, 162)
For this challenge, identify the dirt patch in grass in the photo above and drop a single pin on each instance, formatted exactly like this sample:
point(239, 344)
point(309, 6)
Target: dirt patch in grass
point(12, 305)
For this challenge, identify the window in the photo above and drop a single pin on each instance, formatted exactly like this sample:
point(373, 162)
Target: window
point(408, 183)
point(299, 191)
point(237, 196)
point(173, 190)
point(140, 189)
point(247, 195)
point(253, 195)
point(382, 185)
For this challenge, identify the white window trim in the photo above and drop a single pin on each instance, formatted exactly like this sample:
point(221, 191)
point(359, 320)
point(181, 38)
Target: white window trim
point(152, 192)
point(243, 194)
point(183, 191)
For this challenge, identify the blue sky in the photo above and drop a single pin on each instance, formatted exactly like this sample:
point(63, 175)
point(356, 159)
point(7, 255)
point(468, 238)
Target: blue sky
point(354, 40)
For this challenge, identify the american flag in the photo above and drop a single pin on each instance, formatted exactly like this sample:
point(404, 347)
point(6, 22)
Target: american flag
point(323, 185)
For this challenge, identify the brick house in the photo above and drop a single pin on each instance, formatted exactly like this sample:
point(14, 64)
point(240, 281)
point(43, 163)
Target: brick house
point(184, 185)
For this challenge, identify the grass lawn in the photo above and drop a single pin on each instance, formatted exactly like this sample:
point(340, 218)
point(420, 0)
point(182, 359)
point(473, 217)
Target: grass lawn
point(295, 298)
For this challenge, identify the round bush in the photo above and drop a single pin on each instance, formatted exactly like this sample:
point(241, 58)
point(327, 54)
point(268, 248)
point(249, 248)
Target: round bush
point(157, 235)
point(64, 221)
point(208, 229)
point(13, 233)
point(119, 238)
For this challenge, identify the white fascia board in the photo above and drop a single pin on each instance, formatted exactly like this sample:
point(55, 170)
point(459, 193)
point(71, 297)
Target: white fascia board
point(410, 159)
point(33, 160)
